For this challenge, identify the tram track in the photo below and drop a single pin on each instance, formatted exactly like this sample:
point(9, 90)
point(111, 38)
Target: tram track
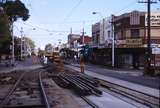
point(143, 98)
point(92, 104)
point(25, 91)
point(137, 96)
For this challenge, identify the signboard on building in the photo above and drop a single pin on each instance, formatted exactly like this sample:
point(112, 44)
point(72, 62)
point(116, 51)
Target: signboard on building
point(156, 50)
point(157, 60)
point(119, 42)
point(134, 41)
point(155, 19)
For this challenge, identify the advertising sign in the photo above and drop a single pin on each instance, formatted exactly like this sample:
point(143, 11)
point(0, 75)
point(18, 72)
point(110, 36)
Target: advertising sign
point(119, 42)
point(134, 41)
point(155, 50)
point(155, 19)
point(157, 60)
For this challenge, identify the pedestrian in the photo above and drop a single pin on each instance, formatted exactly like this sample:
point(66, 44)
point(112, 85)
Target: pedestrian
point(82, 64)
point(75, 58)
point(45, 60)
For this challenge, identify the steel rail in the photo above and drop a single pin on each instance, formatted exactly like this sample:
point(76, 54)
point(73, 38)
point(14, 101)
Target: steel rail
point(135, 95)
point(87, 85)
point(6, 98)
point(78, 87)
point(43, 92)
point(143, 98)
point(93, 105)
point(25, 106)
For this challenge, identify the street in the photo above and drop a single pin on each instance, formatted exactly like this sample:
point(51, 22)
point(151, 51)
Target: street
point(134, 76)
point(79, 54)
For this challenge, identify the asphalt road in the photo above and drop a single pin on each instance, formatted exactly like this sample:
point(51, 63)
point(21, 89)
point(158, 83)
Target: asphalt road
point(153, 82)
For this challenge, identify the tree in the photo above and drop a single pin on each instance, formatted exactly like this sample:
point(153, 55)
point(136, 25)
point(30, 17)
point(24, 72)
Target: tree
point(12, 10)
point(30, 42)
point(5, 35)
point(41, 53)
point(16, 9)
point(48, 48)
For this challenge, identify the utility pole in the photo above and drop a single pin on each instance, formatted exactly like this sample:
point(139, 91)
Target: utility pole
point(13, 56)
point(113, 44)
point(103, 29)
point(83, 33)
point(148, 53)
point(83, 36)
point(21, 42)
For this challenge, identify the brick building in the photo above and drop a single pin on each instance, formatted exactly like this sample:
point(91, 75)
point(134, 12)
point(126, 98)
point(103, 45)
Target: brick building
point(75, 40)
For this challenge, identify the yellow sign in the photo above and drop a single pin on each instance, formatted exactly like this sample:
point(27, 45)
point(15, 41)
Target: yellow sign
point(134, 41)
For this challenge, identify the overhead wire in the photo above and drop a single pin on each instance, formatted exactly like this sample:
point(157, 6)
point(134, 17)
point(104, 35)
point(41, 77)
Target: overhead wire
point(68, 15)
point(44, 29)
point(124, 8)
point(72, 10)
point(47, 30)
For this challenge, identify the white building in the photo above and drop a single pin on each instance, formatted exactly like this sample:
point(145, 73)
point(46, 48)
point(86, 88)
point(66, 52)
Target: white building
point(105, 31)
point(108, 31)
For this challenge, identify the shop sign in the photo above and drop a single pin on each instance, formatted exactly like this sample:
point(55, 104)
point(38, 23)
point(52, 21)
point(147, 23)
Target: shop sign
point(155, 19)
point(120, 42)
point(134, 41)
point(155, 50)
point(157, 60)
point(153, 45)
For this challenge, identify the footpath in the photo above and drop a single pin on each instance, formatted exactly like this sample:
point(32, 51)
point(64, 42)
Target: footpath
point(29, 64)
point(144, 89)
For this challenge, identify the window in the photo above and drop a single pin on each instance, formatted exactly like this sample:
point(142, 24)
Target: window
point(109, 34)
point(135, 33)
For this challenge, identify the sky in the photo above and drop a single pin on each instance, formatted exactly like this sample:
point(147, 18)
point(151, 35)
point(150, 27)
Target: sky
point(51, 20)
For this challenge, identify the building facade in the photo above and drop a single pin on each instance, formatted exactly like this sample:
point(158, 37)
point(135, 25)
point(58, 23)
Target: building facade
point(72, 38)
point(130, 31)
point(76, 40)
point(96, 33)
point(130, 38)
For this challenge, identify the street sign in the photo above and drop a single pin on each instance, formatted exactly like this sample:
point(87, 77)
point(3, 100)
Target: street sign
point(156, 50)
point(153, 45)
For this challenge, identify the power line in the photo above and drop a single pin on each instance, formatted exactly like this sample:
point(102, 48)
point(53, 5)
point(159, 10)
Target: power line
point(46, 30)
point(122, 9)
point(73, 22)
point(72, 10)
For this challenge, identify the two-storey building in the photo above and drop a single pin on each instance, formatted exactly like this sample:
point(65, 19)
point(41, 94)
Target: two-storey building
point(130, 31)
point(130, 39)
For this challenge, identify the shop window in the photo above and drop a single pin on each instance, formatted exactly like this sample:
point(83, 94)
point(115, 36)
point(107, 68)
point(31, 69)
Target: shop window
point(135, 33)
